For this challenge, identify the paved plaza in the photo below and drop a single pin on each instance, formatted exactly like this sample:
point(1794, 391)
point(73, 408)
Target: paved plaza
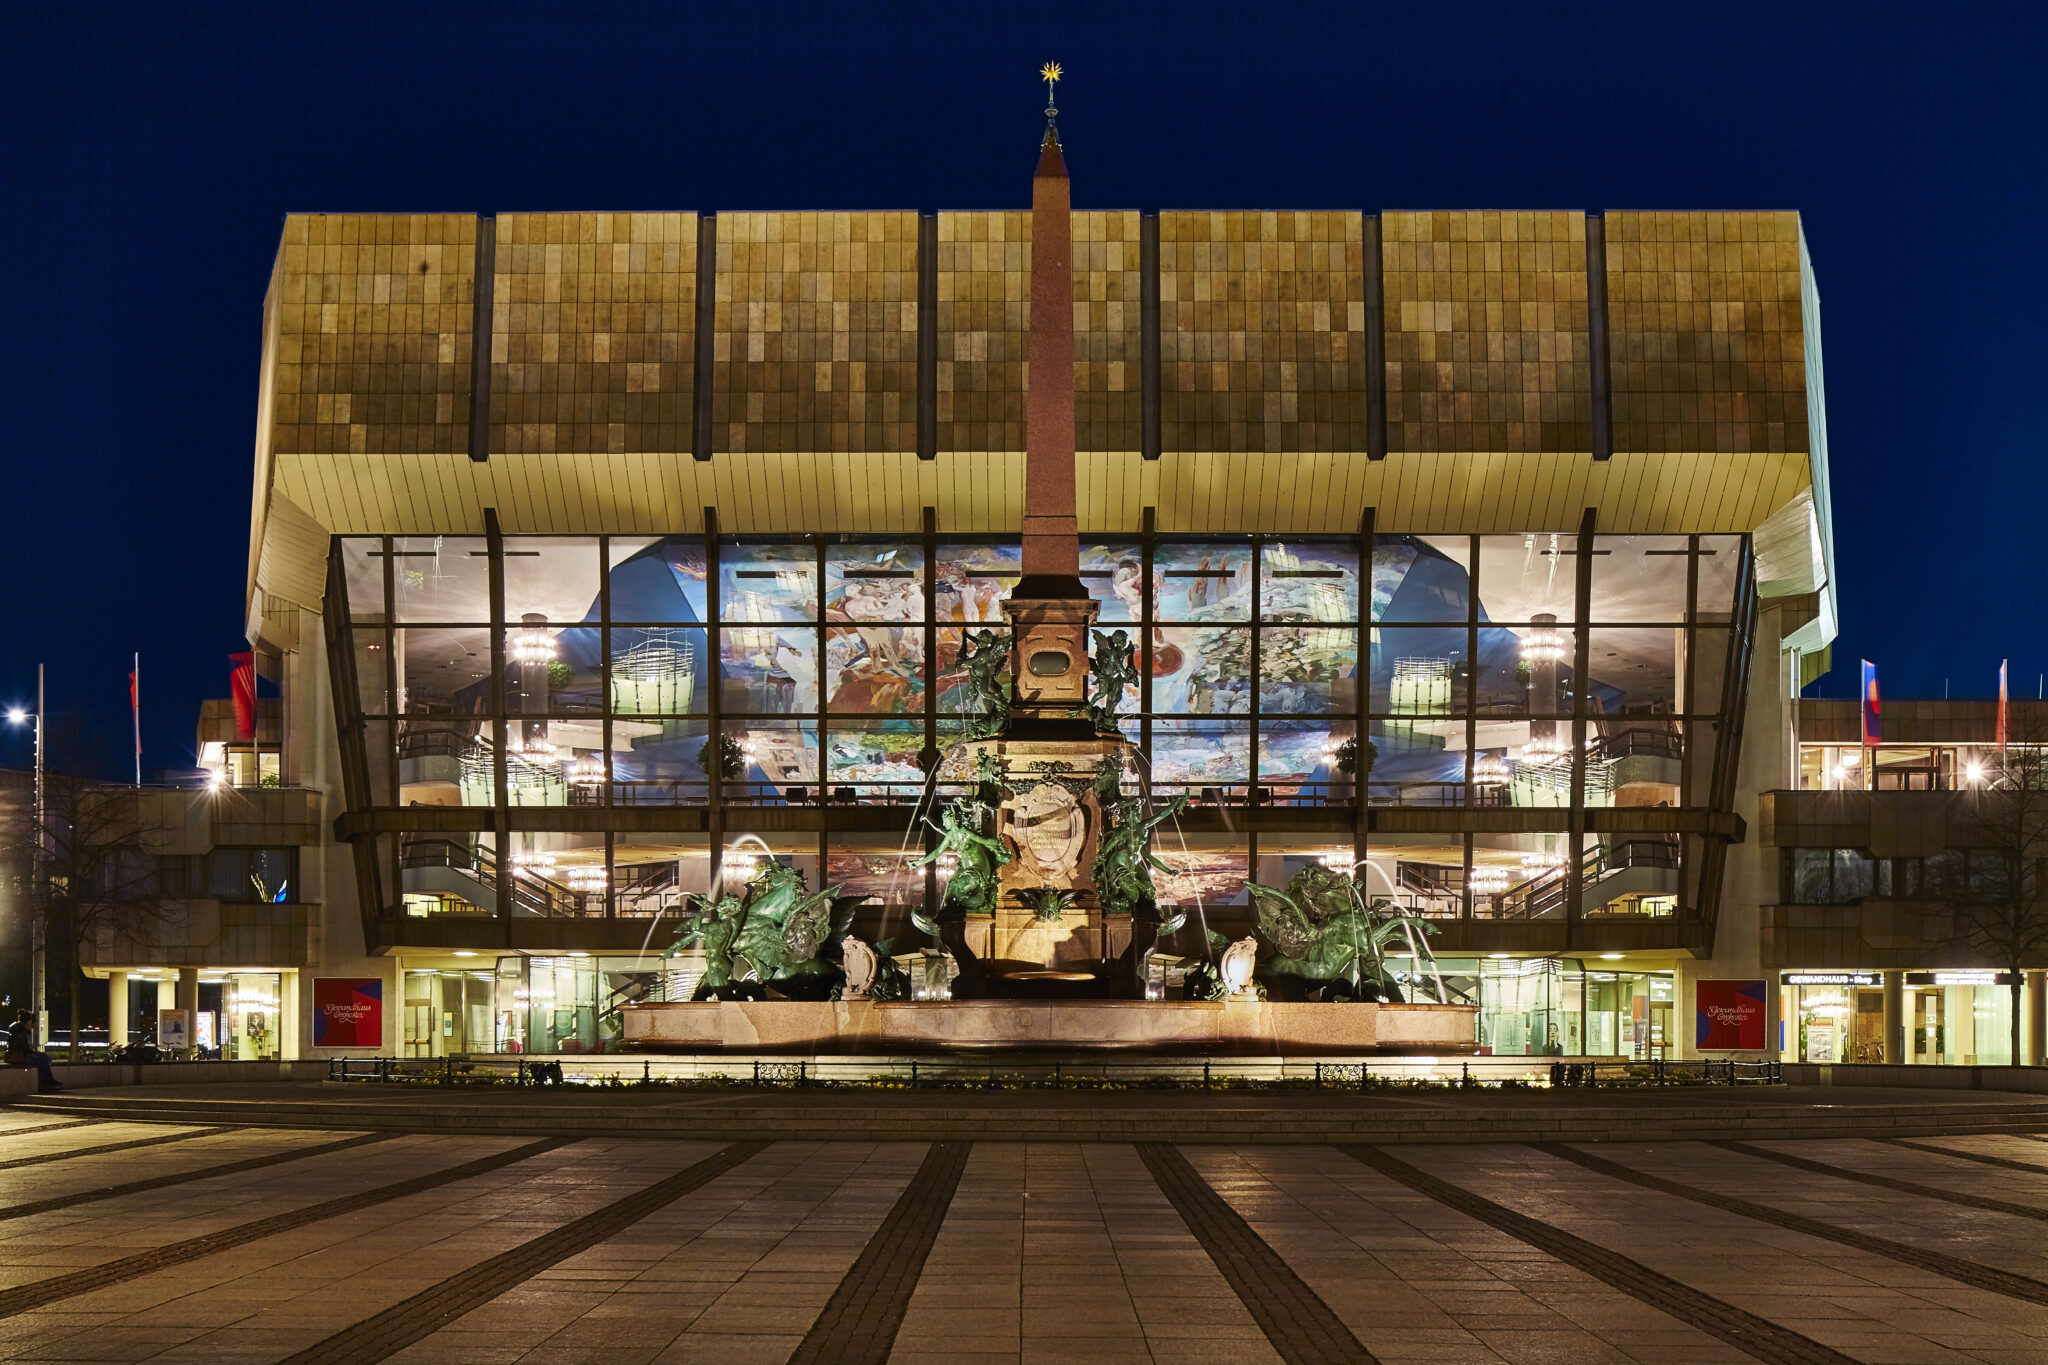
point(126, 1240)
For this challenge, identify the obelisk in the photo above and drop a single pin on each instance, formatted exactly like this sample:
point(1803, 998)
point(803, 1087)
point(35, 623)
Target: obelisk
point(1049, 609)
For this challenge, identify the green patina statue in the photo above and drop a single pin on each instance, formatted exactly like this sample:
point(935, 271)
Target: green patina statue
point(972, 889)
point(1324, 936)
point(984, 655)
point(1111, 671)
point(1124, 860)
point(767, 936)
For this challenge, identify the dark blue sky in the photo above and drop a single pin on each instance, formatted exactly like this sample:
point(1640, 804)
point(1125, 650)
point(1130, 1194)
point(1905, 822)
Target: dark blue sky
point(149, 154)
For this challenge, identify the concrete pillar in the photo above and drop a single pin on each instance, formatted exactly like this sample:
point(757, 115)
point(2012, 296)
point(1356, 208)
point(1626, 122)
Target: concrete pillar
point(288, 1017)
point(2037, 1018)
point(1895, 1017)
point(117, 1008)
point(188, 1001)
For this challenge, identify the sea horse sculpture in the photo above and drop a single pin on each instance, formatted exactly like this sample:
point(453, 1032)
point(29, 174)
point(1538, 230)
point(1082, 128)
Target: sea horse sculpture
point(1322, 933)
point(769, 935)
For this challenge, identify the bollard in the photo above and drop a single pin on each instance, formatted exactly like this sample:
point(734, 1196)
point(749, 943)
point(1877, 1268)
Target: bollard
point(913, 1075)
point(1205, 1075)
point(646, 1071)
point(1319, 1075)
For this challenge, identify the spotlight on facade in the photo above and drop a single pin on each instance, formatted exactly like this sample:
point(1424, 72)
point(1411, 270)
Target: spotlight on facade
point(16, 716)
point(1973, 773)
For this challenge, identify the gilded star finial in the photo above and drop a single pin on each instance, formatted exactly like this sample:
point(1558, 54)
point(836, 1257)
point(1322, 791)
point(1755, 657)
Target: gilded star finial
point(1050, 74)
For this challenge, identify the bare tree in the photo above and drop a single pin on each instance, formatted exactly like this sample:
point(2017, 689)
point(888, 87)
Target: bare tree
point(1992, 877)
point(99, 877)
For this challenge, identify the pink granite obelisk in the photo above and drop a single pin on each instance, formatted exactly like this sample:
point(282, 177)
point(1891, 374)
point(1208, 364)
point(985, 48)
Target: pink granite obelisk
point(1050, 609)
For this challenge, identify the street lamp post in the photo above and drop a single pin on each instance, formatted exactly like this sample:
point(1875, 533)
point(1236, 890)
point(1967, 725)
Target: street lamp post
point(38, 945)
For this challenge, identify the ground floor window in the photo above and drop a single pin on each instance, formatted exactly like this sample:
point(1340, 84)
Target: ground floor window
point(1564, 1007)
point(1958, 1025)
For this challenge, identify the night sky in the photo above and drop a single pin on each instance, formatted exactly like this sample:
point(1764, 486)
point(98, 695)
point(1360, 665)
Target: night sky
point(149, 156)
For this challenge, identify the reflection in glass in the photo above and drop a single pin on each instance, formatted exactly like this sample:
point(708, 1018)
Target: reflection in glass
point(767, 582)
point(1202, 671)
point(1115, 577)
point(658, 582)
point(972, 580)
point(1639, 579)
point(1310, 672)
point(765, 670)
point(1527, 576)
point(1198, 754)
point(1420, 578)
point(1307, 581)
point(657, 671)
point(1209, 582)
point(439, 578)
point(877, 760)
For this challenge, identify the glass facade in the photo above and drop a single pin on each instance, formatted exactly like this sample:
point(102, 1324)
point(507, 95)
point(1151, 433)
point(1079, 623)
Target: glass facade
point(803, 674)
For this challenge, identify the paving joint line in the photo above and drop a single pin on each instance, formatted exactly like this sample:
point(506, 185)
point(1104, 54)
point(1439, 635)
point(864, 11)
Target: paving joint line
point(1982, 1158)
point(105, 1148)
point(1759, 1337)
point(858, 1324)
point(1972, 1273)
point(1887, 1182)
point(65, 1201)
point(50, 1127)
point(25, 1298)
point(1301, 1327)
point(399, 1326)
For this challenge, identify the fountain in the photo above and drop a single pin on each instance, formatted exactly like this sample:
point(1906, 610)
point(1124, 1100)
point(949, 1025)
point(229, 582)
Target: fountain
point(1049, 911)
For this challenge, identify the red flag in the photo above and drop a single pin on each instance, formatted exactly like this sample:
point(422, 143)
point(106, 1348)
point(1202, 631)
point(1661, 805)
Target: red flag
point(1873, 725)
point(242, 681)
point(2002, 704)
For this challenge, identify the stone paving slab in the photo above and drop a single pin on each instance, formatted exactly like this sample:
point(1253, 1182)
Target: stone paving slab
point(1857, 1302)
point(1047, 1251)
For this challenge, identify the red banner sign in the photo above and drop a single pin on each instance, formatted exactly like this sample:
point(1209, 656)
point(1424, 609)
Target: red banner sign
point(348, 1011)
point(1731, 1016)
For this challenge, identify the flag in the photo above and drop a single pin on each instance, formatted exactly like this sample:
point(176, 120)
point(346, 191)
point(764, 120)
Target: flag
point(242, 682)
point(1873, 722)
point(135, 713)
point(2002, 663)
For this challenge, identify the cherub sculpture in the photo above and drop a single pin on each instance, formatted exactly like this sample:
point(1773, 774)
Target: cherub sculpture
point(984, 654)
point(1111, 672)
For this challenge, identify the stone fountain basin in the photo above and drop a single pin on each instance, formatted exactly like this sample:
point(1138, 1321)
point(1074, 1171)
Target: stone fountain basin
point(923, 1026)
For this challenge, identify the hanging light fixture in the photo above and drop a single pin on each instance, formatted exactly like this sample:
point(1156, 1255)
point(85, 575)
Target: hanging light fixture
point(1537, 864)
point(1543, 645)
point(1486, 879)
point(535, 864)
point(586, 878)
point(587, 772)
point(1489, 771)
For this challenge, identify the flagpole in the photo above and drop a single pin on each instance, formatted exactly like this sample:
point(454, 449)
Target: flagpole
point(135, 710)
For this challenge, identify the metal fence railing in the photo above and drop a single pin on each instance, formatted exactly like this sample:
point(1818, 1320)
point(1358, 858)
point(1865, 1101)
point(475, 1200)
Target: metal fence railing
point(978, 1072)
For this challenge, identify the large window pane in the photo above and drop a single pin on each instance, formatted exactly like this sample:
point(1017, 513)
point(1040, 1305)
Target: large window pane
point(658, 763)
point(1202, 671)
point(652, 873)
point(1417, 762)
point(871, 865)
point(1639, 579)
point(437, 762)
point(441, 578)
point(1418, 670)
point(874, 762)
point(882, 581)
point(1634, 672)
point(874, 665)
point(443, 670)
point(1308, 581)
point(778, 757)
point(1720, 567)
point(1115, 577)
point(658, 672)
point(1297, 762)
point(971, 581)
point(1527, 576)
point(1308, 672)
point(1205, 582)
point(1206, 870)
point(768, 582)
point(658, 582)
point(1709, 670)
point(765, 670)
point(1200, 756)
point(362, 566)
point(1421, 578)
